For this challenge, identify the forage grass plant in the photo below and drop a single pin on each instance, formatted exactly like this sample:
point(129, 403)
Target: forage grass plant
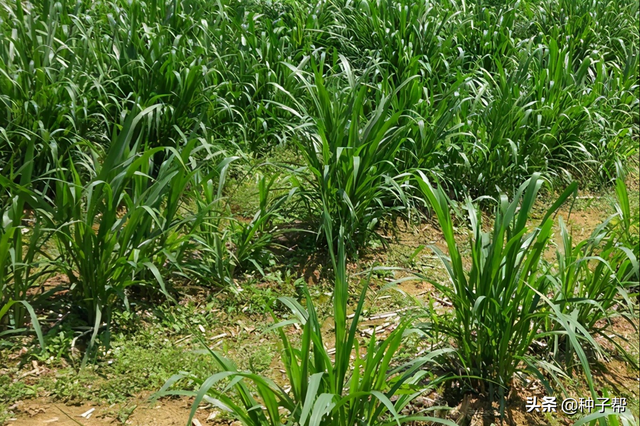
point(23, 263)
point(221, 245)
point(109, 228)
point(500, 303)
point(349, 145)
point(213, 264)
point(594, 276)
point(628, 224)
point(591, 285)
point(356, 385)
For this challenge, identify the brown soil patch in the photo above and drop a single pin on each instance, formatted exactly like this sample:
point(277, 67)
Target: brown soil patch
point(167, 412)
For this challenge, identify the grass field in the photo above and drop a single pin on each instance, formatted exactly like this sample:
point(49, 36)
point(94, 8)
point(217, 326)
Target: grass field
point(319, 213)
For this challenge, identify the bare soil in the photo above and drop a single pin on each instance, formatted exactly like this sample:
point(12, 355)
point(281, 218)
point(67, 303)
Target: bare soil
point(168, 412)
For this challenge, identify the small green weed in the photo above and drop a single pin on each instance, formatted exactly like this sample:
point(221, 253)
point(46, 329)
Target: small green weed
point(12, 389)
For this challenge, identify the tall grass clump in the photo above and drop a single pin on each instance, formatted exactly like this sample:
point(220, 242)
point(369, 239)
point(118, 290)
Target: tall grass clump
point(594, 276)
point(112, 228)
point(500, 303)
point(349, 145)
point(357, 384)
point(221, 245)
point(591, 285)
point(23, 261)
